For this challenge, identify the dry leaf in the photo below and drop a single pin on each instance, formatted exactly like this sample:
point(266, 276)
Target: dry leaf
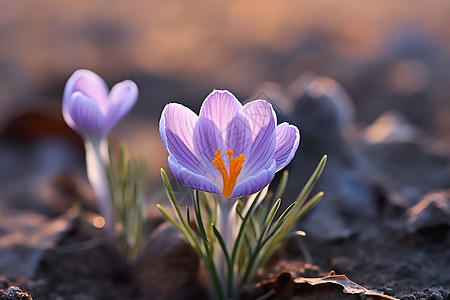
point(332, 287)
point(349, 286)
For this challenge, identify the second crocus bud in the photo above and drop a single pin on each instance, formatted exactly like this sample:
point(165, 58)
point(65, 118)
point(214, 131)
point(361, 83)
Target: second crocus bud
point(92, 111)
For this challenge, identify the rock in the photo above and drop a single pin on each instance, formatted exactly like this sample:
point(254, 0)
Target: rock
point(14, 293)
point(431, 214)
point(392, 126)
point(397, 154)
point(324, 89)
point(169, 267)
point(324, 113)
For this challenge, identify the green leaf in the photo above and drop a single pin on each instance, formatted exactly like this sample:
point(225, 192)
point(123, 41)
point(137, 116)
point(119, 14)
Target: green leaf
point(171, 220)
point(312, 181)
point(303, 210)
point(282, 185)
point(199, 219)
point(222, 244)
point(270, 217)
point(189, 234)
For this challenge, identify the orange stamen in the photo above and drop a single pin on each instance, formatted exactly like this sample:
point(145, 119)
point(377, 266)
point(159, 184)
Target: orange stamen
point(235, 168)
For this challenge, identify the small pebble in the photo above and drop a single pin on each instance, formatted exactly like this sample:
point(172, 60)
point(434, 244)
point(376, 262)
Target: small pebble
point(435, 296)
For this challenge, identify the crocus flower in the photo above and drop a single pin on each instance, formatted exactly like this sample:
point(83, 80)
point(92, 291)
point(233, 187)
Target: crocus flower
point(228, 149)
point(92, 111)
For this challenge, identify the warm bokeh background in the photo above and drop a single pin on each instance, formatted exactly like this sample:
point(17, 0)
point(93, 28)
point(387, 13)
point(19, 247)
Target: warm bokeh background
point(386, 54)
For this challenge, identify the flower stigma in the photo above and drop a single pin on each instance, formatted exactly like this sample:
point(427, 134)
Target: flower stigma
point(235, 168)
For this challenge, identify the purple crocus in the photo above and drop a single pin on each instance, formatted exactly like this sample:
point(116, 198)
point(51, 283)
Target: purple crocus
point(229, 149)
point(92, 111)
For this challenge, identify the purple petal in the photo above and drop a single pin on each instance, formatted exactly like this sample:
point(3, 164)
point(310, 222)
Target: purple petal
point(220, 107)
point(176, 128)
point(183, 154)
point(191, 179)
point(180, 120)
point(239, 136)
point(87, 118)
point(288, 139)
point(207, 139)
point(122, 98)
point(259, 114)
point(256, 182)
point(262, 121)
point(91, 85)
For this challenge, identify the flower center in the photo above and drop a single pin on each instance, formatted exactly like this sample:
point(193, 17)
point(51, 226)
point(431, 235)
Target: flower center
point(235, 168)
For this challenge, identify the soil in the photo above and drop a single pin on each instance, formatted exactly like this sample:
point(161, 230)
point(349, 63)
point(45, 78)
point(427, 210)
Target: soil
point(399, 264)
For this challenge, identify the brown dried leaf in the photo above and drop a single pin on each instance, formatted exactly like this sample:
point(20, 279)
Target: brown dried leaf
point(332, 287)
point(349, 286)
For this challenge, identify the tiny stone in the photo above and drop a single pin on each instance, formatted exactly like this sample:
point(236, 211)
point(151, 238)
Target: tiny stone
point(435, 296)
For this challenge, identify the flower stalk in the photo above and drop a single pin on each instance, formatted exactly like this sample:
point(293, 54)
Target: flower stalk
point(97, 159)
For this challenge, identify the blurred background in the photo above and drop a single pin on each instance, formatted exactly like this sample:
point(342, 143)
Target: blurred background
point(386, 55)
point(379, 55)
point(370, 56)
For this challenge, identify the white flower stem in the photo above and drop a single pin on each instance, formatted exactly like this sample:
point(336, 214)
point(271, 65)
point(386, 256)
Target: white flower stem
point(226, 226)
point(97, 158)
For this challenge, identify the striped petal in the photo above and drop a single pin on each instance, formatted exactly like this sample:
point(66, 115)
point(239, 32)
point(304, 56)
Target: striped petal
point(220, 107)
point(207, 139)
point(262, 122)
point(238, 136)
point(288, 139)
point(191, 179)
point(176, 129)
point(180, 120)
point(256, 182)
